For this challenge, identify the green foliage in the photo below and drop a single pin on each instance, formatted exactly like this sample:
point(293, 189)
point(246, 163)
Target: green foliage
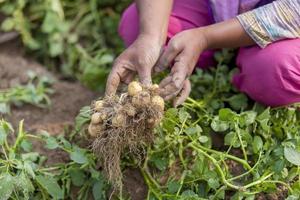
point(24, 174)
point(77, 37)
point(185, 156)
point(35, 92)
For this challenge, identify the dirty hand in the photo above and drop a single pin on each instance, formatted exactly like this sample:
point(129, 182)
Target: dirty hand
point(139, 58)
point(182, 54)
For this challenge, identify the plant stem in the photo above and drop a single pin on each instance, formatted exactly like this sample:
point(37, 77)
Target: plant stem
point(259, 181)
point(249, 171)
point(218, 167)
point(181, 182)
point(146, 178)
point(243, 162)
point(238, 131)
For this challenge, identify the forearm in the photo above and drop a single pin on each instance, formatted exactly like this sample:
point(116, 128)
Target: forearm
point(154, 18)
point(227, 34)
point(262, 26)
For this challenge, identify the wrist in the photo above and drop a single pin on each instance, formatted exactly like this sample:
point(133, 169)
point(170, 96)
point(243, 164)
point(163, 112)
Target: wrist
point(155, 38)
point(204, 38)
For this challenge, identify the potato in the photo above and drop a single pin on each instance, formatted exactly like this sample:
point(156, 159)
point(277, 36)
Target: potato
point(96, 118)
point(93, 130)
point(141, 99)
point(154, 88)
point(98, 106)
point(134, 88)
point(158, 101)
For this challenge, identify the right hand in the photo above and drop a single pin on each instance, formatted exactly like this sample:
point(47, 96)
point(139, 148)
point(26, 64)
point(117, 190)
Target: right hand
point(139, 58)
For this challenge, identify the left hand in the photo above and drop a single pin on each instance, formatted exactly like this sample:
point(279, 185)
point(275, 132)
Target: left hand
point(182, 53)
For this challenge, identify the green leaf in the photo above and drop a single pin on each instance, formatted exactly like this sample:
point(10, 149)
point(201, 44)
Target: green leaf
point(29, 168)
point(203, 139)
point(231, 139)
point(173, 186)
point(218, 125)
point(160, 162)
point(4, 108)
point(279, 166)
point(77, 176)
point(24, 185)
point(8, 24)
point(78, 155)
point(99, 190)
point(238, 101)
point(5, 128)
point(170, 119)
point(292, 155)
point(6, 186)
point(51, 143)
point(196, 130)
point(31, 156)
point(50, 185)
point(94, 76)
point(213, 183)
point(26, 145)
point(83, 117)
point(183, 115)
point(257, 144)
point(264, 118)
point(249, 117)
point(225, 114)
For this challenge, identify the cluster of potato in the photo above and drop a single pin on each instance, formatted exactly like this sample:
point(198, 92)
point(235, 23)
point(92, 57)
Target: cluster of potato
point(123, 123)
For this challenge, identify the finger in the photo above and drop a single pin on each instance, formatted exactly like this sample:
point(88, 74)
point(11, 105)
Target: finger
point(179, 73)
point(172, 95)
point(184, 94)
point(165, 82)
point(165, 60)
point(145, 75)
point(114, 79)
point(175, 82)
point(168, 90)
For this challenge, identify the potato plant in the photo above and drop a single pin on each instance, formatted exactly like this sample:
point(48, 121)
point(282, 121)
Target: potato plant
point(25, 175)
point(78, 38)
point(35, 92)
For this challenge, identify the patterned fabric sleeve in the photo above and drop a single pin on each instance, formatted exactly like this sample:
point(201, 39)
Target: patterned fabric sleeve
point(272, 22)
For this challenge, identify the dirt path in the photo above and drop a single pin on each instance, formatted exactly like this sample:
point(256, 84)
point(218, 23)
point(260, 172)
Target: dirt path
point(67, 99)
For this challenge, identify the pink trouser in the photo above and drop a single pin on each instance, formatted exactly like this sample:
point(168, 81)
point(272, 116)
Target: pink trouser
point(270, 76)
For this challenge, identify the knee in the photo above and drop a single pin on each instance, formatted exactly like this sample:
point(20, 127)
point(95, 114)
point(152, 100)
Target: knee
point(270, 76)
point(128, 26)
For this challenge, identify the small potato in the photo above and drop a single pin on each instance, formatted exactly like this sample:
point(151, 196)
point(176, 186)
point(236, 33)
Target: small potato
point(134, 88)
point(154, 88)
point(158, 101)
point(96, 118)
point(141, 99)
point(99, 105)
point(119, 120)
point(94, 130)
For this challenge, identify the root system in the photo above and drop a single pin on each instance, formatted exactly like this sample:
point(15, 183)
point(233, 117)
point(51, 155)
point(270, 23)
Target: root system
point(124, 123)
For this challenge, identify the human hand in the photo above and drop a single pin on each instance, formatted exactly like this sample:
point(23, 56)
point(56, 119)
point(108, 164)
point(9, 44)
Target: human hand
point(139, 58)
point(182, 53)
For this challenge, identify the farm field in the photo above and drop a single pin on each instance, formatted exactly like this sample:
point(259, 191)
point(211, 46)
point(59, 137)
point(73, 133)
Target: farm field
point(54, 60)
